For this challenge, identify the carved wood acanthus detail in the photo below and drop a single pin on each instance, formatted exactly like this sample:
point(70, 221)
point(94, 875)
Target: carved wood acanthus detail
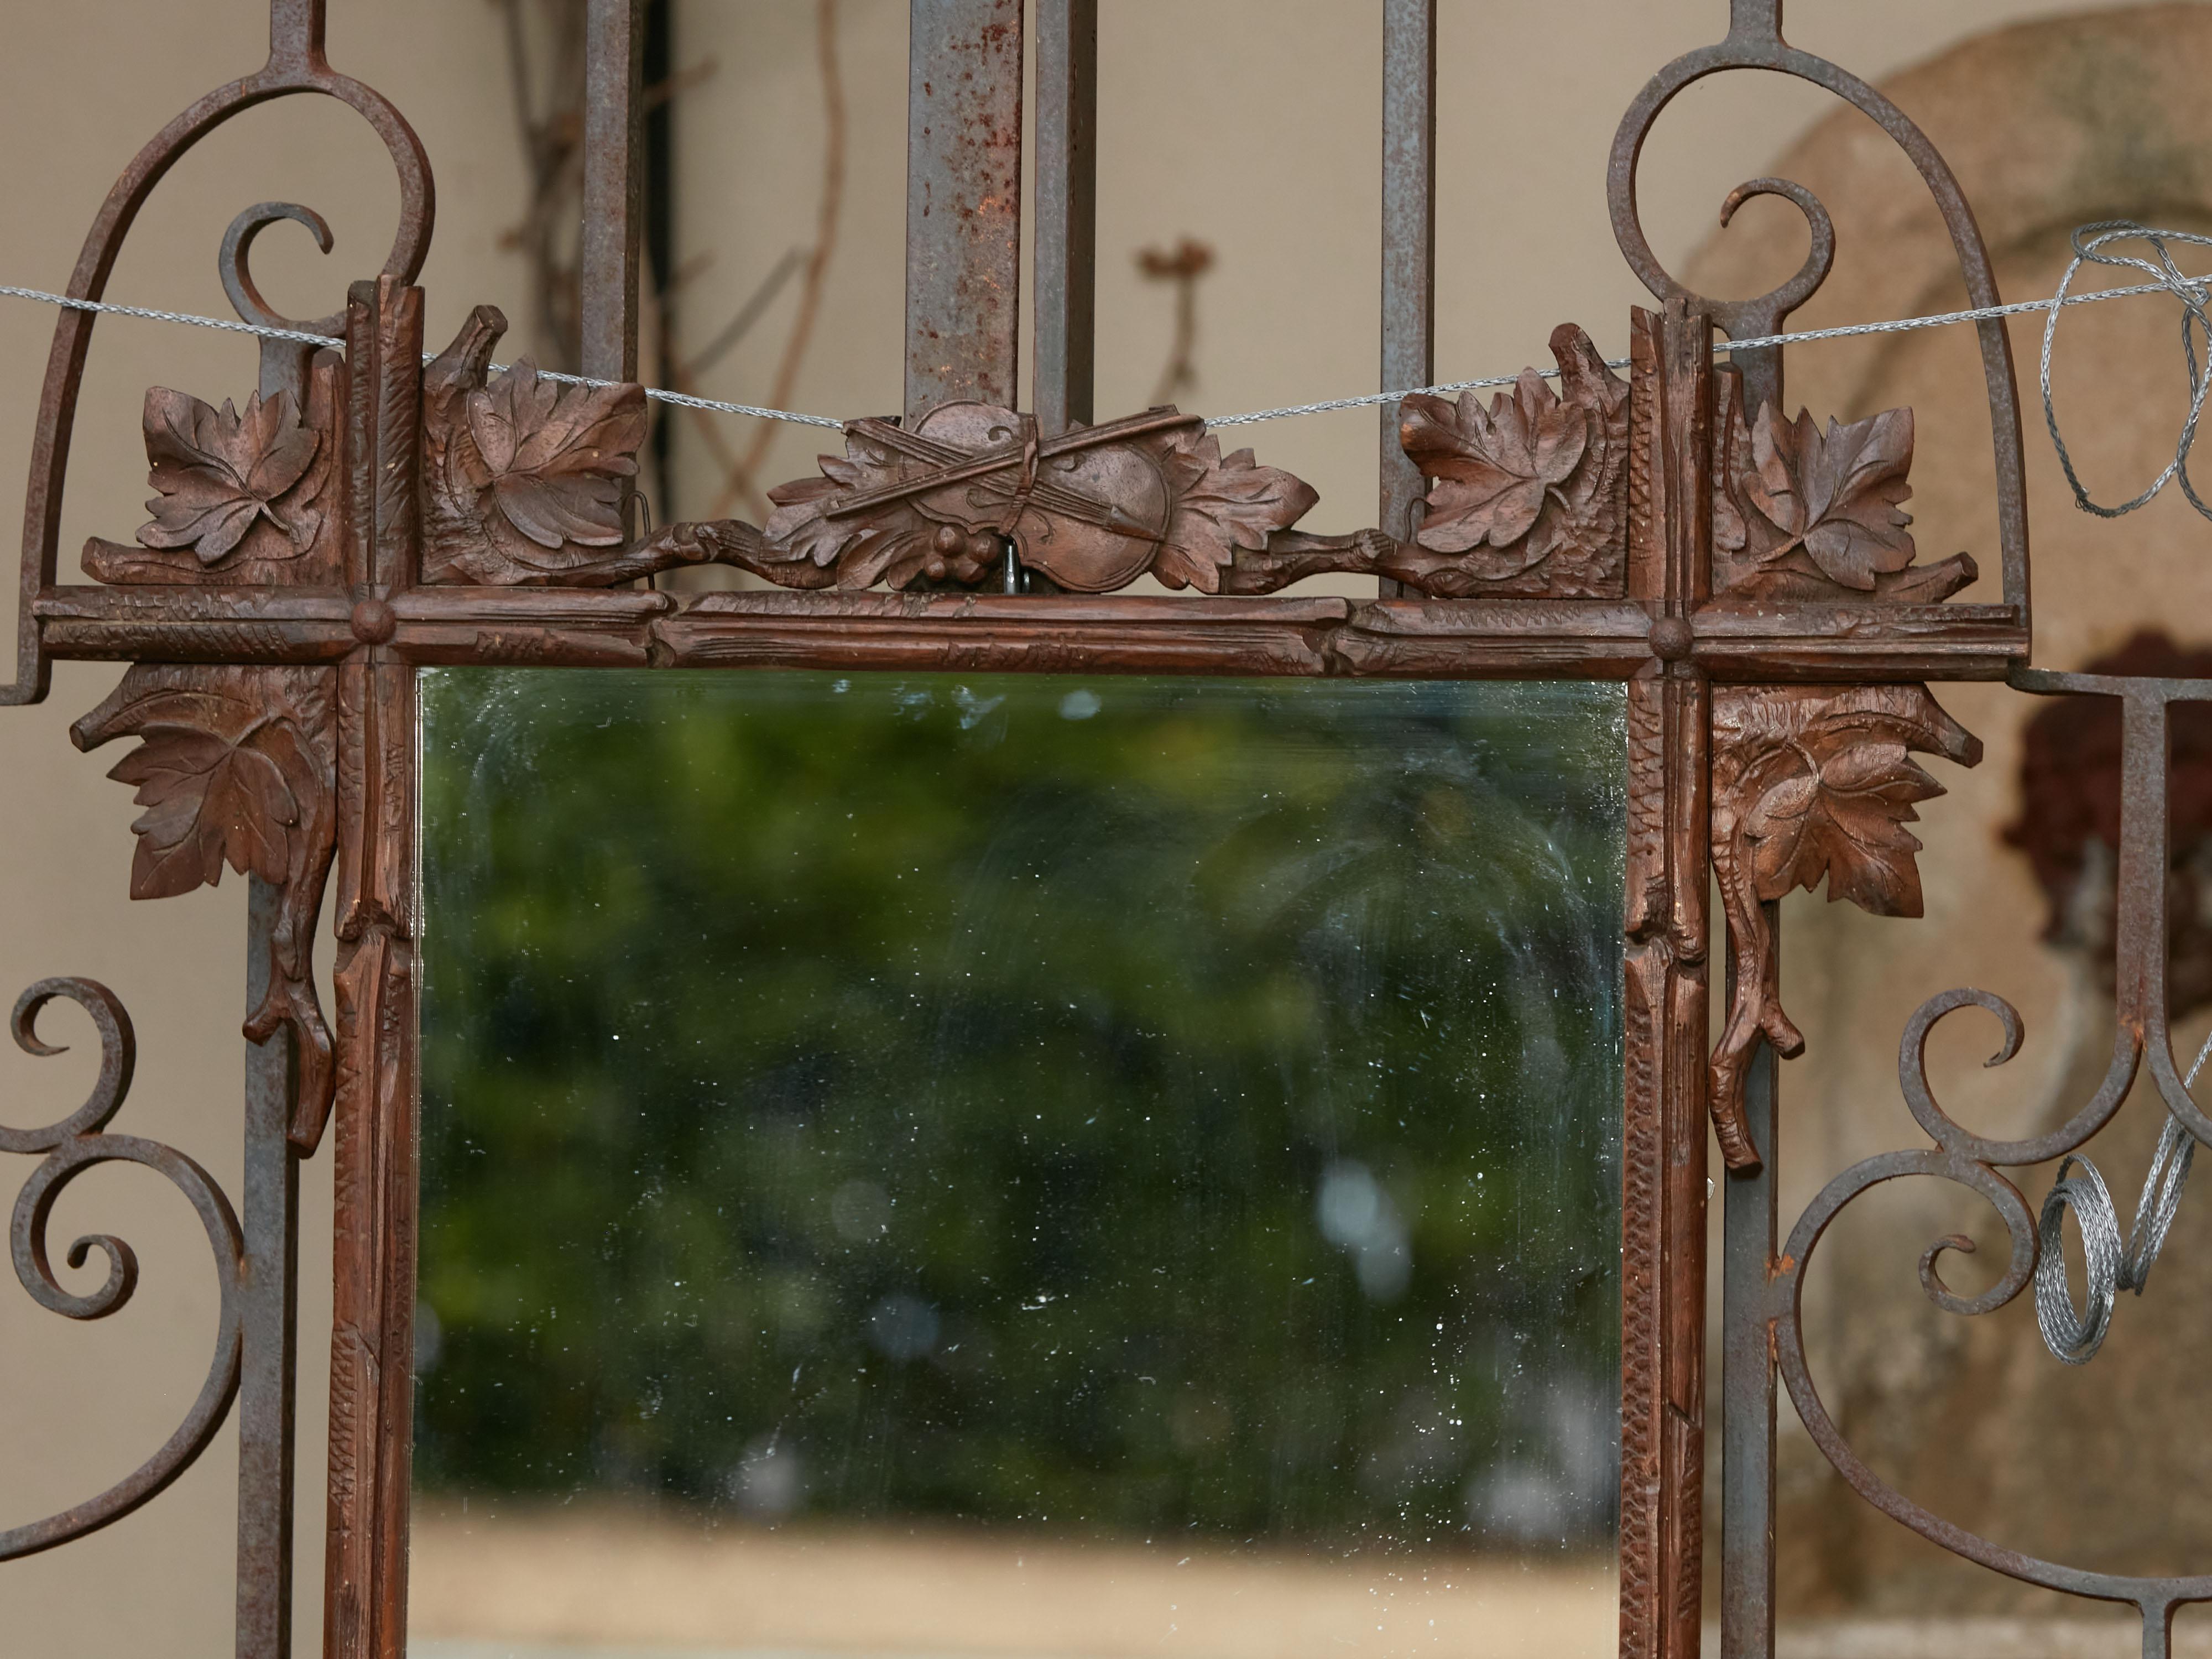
point(1807, 781)
point(1803, 514)
point(241, 497)
point(238, 766)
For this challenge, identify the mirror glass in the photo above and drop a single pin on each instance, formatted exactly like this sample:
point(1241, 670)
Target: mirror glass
point(1017, 1166)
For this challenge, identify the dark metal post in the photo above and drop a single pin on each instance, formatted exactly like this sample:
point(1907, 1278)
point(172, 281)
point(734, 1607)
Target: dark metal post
point(270, 1286)
point(963, 218)
point(614, 48)
point(1749, 1215)
point(269, 1359)
point(1066, 210)
point(1409, 241)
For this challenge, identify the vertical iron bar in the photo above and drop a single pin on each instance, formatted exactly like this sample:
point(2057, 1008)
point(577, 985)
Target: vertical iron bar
point(614, 48)
point(1066, 210)
point(1409, 241)
point(270, 1220)
point(1747, 1242)
point(270, 1291)
point(1749, 1217)
point(1755, 19)
point(964, 217)
point(658, 212)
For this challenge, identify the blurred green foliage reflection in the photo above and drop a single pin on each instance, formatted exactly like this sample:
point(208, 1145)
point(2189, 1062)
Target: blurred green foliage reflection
point(1112, 1105)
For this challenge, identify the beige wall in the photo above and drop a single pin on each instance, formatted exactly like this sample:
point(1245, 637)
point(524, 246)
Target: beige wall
point(1251, 125)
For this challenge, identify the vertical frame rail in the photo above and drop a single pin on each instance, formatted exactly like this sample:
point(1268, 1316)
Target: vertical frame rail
point(372, 1312)
point(1409, 244)
point(964, 193)
point(1665, 1029)
point(1066, 212)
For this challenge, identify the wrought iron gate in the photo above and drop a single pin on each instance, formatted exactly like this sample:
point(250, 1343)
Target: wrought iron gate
point(1748, 578)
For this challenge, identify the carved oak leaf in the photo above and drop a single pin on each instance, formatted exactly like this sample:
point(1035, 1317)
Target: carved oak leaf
point(1220, 505)
point(1811, 782)
point(238, 766)
point(218, 471)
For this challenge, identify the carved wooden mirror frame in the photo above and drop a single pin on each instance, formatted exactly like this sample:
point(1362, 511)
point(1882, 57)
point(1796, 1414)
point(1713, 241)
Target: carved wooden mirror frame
point(1748, 577)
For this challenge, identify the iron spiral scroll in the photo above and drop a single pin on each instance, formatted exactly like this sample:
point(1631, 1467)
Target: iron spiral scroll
point(2141, 1039)
point(71, 1146)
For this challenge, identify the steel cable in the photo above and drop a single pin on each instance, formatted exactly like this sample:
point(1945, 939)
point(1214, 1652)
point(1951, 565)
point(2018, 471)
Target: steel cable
point(2109, 1266)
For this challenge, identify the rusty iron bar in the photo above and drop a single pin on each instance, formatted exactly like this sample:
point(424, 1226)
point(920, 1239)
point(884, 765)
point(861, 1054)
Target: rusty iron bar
point(1409, 244)
point(1066, 212)
point(614, 183)
point(963, 218)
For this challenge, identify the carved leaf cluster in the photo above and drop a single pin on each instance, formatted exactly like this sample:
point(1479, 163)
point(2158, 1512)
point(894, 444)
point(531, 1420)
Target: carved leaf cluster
point(1811, 783)
point(220, 473)
point(1801, 513)
point(526, 484)
point(1221, 505)
point(238, 767)
point(553, 457)
point(240, 496)
point(230, 769)
point(1497, 472)
point(1530, 493)
point(1823, 785)
point(893, 543)
point(525, 476)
